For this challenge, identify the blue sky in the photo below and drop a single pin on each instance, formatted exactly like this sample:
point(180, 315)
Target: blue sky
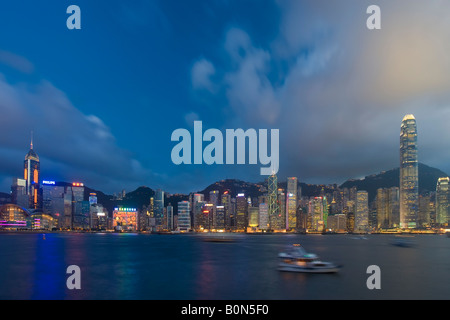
point(103, 101)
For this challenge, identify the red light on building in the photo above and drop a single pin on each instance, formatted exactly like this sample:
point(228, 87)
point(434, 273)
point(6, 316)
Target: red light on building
point(77, 184)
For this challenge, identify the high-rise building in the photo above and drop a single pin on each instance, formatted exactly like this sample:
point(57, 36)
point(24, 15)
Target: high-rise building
point(159, 208)
point(279, 219)
point(382, 208)
point(80, 207)
point(263, 216)
point(241, 212)
point(184, 217)
point(362, 211)
point(170, 225)
point(19, 194)
point(99, 217)
point(394, 207)
point(315, 219)
point(253, 213)
point(425, 210)
point(214, 197)
point(32, 175)
point(442, 201)
point(93, 198)
point(409, 173)
point(272, 186)
point(226, 202)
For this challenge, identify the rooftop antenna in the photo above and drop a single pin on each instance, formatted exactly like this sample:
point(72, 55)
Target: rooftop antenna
point(31, 144)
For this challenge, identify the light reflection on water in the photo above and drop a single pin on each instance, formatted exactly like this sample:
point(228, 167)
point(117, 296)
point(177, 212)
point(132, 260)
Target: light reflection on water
point(138, 266)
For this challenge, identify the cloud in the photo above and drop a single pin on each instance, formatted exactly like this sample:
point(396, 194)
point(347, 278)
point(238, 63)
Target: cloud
point(201, 73)
point(338, 91)
point(16, 62)
point(72, 146)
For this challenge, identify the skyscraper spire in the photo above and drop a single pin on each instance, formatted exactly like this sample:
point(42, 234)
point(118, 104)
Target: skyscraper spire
point(31, 144)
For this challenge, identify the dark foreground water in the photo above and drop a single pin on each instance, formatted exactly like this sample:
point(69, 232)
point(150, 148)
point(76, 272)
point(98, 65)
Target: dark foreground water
point(175, 267)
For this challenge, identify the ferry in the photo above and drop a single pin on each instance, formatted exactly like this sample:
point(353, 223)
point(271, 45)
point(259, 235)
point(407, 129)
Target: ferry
point(298, 260)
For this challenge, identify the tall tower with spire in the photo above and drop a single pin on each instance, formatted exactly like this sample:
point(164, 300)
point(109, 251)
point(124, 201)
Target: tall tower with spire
point(32, 175)
point(272, 186)
point(409, 173)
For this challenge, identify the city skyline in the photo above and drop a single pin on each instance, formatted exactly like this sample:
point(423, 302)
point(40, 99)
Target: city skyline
point(66, 205)
point(103, 108)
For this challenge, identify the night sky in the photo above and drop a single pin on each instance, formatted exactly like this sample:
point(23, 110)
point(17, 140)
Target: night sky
point(103, 101)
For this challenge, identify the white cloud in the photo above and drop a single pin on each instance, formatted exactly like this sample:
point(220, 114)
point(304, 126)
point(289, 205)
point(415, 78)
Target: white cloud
point(201, 73)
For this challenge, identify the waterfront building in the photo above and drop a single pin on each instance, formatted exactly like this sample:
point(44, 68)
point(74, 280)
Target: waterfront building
point(382, 208)
point(409, 173)
point(362, 212)
point(99, 217)
point(280, 216)
point(315, 221)
point(14, 217)
point(170, 225)
point(241, 212)
point(219, 217)
point(125, 219)
point(253, 218)
point(291, 203)
point(19, 194)
point(425, 210)
point(337, 223)
point(226, 203)
point(159, 208)
point(32, 176)
point(263, 216)
point(42, 221)
point(184, 218)
point(80, 208)
point(442, 201)
point(272, 186)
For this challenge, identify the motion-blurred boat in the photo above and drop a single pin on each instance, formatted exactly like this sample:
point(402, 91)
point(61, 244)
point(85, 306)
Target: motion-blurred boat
point(405, 242)
point(298, 260)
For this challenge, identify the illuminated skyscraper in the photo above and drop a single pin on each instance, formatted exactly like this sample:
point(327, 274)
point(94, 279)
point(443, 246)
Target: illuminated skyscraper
point(442, 201)
point(362, 211)
point(291, 203)
point(31, 175)
point(263, 217)
point(241, 212)
point(272, 186)
point(184, 217)
point(382, 207)
point(409, 173)
point(159, 208)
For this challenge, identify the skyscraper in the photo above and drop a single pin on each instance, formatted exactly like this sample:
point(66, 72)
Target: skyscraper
point(241, 212)
point(272, 186)
point(159, 208)
point(184, 217)
point(442, 201)
point(31, 175)
point(362, 211)
point(291, 203)
point(409, 173)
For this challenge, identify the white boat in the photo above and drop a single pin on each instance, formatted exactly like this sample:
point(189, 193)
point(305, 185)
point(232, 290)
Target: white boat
point(298, 260)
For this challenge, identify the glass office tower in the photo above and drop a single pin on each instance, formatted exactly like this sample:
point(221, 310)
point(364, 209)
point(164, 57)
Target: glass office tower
point(409, 173)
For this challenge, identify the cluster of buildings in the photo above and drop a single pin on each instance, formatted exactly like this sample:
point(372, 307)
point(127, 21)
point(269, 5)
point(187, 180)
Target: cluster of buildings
point(42, 204)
